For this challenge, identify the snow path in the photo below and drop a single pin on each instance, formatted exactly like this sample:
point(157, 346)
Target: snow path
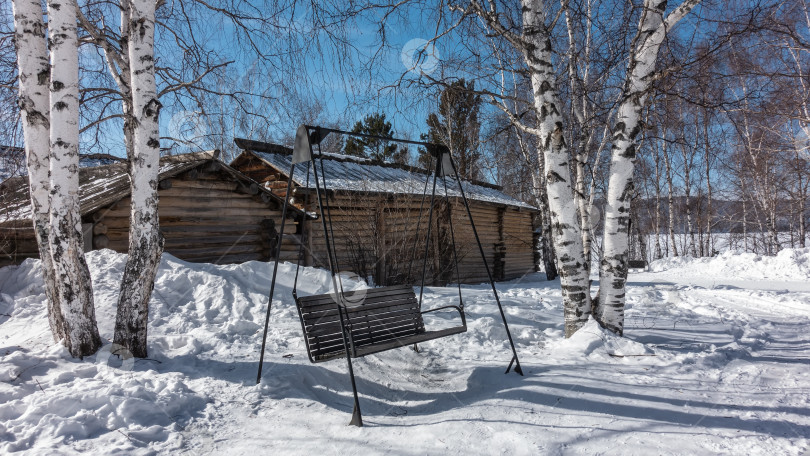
point(711, 363)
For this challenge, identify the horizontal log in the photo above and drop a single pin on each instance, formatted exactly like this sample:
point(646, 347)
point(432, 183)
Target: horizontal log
point(165, 222)
point(249, 189)
point(197, 192)
point(101, 241)
point(211, 167)
point(195, 203)
point(98, 215)
point(212, 251)
point(196, 230)
point(179, 239)
point(228, 186)
point(255, 166)
point(209, 212)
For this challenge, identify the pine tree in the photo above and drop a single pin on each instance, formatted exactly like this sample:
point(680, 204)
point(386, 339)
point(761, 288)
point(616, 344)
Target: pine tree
point(375, 149)
point(457, 126)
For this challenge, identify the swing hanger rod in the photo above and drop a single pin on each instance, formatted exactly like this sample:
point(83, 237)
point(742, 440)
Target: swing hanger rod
point(317, 134)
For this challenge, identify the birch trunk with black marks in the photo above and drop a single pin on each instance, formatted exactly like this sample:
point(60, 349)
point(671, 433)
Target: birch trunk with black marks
point(549, 255)
point(708, 176)
point(687, 156)
point(563, 209)
point(34, 75)
point(541, 200)
point(652, 29)
point(580, 139)
point(657, 254)
point(72, 277)
point(145, 241)
point(670, 198)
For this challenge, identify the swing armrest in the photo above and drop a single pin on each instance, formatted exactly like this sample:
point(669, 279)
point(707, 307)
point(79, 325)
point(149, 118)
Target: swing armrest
point(442, 308)
point(458, 309)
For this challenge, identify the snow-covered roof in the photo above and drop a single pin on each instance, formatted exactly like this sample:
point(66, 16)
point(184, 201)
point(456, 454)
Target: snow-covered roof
point(363, 175)
point(101, 186)
point(12, 161)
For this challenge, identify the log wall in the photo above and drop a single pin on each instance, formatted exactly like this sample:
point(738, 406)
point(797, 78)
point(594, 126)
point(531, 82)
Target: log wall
point(204, 217)
point(17, 244)
point(206, 220)
point(374, 236)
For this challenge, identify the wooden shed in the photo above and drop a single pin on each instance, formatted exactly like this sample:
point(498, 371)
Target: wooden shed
point(209, 212)
point(375, 211)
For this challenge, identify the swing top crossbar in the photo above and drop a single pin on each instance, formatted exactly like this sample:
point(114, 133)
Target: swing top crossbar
point(317, 135)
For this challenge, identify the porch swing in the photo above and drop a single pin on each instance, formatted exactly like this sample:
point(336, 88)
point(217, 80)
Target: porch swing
point(345, 324)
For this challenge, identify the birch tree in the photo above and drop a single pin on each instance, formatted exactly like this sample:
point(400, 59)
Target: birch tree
point(652, 31)
point(129, 53)
point(535, 45)
point(531, 35)
point(49, 104)
point(566, 228)
point(34, 79)
point(73, 286)
point(141, 125)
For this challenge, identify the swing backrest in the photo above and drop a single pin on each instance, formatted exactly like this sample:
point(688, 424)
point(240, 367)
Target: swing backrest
point(373, 316)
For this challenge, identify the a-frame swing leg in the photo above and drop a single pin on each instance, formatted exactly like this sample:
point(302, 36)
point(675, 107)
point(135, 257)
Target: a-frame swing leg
point(275, 273)
point(357, 418)
point(515, 359)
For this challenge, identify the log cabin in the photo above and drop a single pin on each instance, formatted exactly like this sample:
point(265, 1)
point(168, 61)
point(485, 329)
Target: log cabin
point(208, 211)
point(376, 225)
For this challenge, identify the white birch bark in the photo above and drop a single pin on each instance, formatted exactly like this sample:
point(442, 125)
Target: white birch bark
point(708, 176)
point(652, 30)
point(73, 285)
point(145, 241)
point(34, 74)
point(566, 229)
point(670, 198)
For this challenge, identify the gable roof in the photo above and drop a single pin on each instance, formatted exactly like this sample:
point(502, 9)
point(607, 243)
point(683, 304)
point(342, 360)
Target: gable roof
point(100, 186)
point(356, 174)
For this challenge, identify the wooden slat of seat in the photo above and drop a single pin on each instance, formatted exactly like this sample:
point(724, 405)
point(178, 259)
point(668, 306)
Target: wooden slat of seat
point(403, 342)
point(371, 293)
point(363, 334)
point(325, 328)
point(362, 340)
point(367, 305)
point(398, 343)
point(373, 333)
point(325, 317)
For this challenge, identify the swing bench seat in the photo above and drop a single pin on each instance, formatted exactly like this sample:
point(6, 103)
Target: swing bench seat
point(374, 321)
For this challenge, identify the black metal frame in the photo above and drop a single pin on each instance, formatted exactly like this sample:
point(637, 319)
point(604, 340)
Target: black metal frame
point(316, 134)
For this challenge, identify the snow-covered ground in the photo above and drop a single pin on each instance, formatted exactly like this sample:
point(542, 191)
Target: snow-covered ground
point(716, 359)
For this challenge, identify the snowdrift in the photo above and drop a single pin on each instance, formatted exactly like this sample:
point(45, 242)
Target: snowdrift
point(788, 264)
point(699, 371)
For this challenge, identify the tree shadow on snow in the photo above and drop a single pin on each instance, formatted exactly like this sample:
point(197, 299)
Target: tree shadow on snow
point(284, 381)
point(490, 384)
